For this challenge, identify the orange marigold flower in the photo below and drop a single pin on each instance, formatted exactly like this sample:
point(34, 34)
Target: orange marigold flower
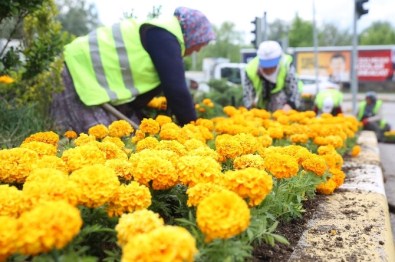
point(250, 160)
point(147, 143)
point(299, 138)
point(99, 131)
point(222, 215)
point(120, 128)
point(327, 187)
point(251, 184)
point(316, 164)
point(338, 176)
point(281, 165)
point(122, 168)
point(49, 137)
point(228, 146)
point(355, 150)
point(70, 134)
point(85, 155)
point(150, 126)
point(162, 119)
point(138, 222)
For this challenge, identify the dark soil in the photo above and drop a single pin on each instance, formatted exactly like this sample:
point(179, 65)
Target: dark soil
point(292, 231)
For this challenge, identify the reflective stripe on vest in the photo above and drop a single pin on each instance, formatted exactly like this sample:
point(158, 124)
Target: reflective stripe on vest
point(111, 65)
point(257, 82)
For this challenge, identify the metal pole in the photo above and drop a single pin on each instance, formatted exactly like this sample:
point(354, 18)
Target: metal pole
point(316, 67)
point(264, 27)
point(354, 78)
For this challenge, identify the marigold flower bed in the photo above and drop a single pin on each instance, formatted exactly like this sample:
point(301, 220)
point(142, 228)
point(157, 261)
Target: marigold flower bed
point(208, 191)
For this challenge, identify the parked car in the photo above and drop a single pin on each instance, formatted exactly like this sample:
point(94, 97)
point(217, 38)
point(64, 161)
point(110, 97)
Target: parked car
point(310, 84)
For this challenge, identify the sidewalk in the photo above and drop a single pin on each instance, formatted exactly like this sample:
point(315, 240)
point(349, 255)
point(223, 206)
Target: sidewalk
point(353, 224)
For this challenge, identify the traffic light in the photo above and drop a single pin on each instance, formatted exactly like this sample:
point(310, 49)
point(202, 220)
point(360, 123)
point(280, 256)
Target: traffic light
point(359, 7)
point(256, 32)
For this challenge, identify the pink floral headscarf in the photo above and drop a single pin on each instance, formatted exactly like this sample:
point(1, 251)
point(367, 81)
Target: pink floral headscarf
point(195, 26)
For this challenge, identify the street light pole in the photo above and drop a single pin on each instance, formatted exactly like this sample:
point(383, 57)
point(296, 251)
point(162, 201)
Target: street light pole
point(315, 48)
point(354, 57)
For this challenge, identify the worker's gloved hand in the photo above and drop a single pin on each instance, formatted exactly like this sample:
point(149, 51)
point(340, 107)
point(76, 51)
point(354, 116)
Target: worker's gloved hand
point(365, 121)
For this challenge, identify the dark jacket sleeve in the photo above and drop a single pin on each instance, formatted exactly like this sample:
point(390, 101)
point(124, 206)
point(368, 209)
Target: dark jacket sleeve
point(165, 52)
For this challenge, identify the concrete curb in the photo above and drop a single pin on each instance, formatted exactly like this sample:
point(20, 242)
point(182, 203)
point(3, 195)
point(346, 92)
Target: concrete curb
point(353, 224)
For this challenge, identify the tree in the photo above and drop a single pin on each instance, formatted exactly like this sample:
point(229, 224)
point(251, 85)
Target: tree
point(77, 17)
point(300, 33)
point(330, 35)
point(379, 33)
point(278, 30)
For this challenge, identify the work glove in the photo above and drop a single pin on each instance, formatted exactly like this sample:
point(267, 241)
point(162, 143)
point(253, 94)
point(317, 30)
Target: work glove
point(365, 121)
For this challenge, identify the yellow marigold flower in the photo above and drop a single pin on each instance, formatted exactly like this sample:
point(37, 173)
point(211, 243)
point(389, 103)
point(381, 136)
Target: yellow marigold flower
point(316, 164)
point(165, 244)
point(99, 131)
point(355, 150)
point(120, 128)
point(47, 184)
point(299, 138)
point(47, 226)
point(153, 168)
point(115, 140)
point(197, 169)
point(300, 153)
point(10, 201)
point(284, 120)
point(16, 164)
point(70, 134)
point(230, 110)
point(248, 142)
point(333, 160)
point(276, 132)
point(250, 160)
point(138, 222)
point(172, 145)
point(171, 131)
point(327, 187)
point(281, 165)
point(204, 151)
point(228, 146)
point(8, 236)
point(159, 103)
point(162, 119)
point(251, 184)
point(222, 215)
point(85, 155)
point(48, 137)
point(5, 79)
point(150, 126)
point(198, 192)
point(265, 141)
point(111, 150)
point(324, 150)
point(193, 143)
point(52, 162)
point(42, 149)
point(84, 139)
point(206, 123)
point(128, 198)
point(96, 184)
point(338, 176)
point(147, 143)
point(122, 168)
point(138, 136)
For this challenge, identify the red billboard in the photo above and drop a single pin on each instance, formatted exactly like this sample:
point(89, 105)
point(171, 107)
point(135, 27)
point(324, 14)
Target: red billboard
point(375, 65)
